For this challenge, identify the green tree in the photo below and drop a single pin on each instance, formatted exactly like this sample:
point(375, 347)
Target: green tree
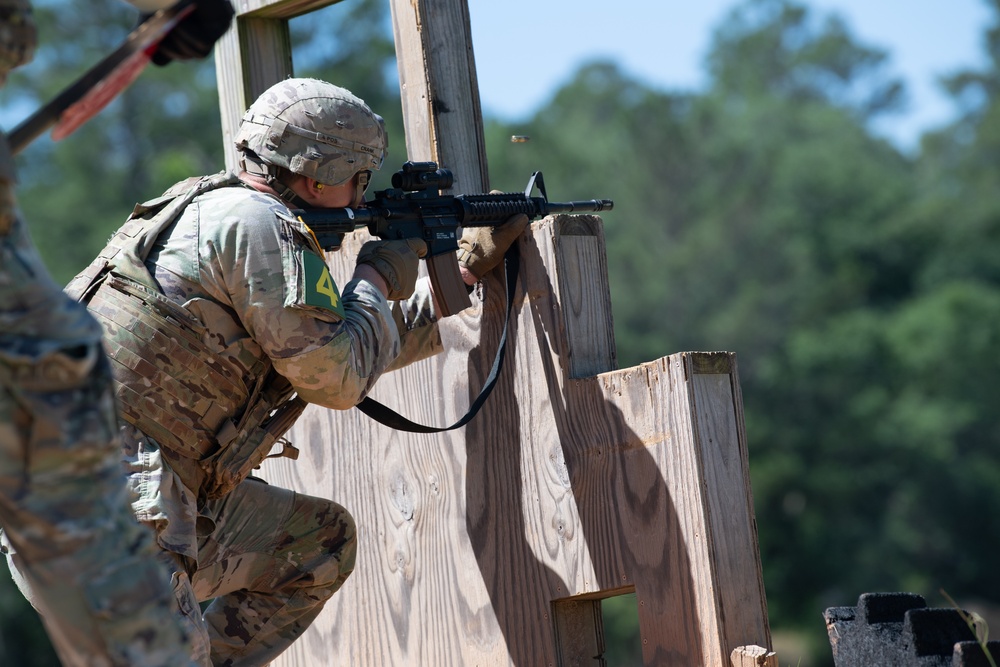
point(856, 284)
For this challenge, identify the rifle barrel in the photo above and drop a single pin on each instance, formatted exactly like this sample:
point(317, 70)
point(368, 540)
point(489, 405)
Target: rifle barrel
point(588, 205)
point(491, 209)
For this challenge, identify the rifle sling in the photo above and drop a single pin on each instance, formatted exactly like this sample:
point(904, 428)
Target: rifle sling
point(393, 419)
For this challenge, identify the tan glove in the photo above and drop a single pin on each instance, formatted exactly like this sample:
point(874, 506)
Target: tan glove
point(396, 262)
point(482, 248)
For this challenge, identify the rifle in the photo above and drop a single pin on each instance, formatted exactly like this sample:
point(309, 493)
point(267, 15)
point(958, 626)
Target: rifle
point(415, 208)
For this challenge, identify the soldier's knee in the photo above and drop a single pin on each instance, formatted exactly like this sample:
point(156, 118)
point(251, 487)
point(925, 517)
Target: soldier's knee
point(337, 539)
point(342, 536)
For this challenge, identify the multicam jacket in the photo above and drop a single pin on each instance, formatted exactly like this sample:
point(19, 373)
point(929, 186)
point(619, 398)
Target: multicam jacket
point(222, 320)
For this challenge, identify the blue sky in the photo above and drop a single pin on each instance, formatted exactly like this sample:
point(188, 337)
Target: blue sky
point(524, 49)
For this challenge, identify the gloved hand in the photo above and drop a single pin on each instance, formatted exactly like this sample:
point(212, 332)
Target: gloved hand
point(196, 34)
point(396, 262)
point(482, 248)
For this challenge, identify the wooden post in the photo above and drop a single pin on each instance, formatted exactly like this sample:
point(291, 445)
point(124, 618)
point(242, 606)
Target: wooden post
point(441, 110)
point(254, 54)
point(754, 656)
point(494, 544)
point(489, 546)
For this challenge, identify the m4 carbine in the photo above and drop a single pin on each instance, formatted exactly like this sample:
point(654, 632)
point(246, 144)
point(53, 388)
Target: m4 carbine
point(415, 208)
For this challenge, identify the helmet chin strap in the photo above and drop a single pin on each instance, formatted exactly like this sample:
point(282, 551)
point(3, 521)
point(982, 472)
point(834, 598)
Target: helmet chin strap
point(359, 196)
point(252, 164)
point(361, 180)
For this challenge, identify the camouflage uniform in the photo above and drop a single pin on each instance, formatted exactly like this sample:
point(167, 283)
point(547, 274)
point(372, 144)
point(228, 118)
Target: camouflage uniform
point(217, 308)
point(71, 540)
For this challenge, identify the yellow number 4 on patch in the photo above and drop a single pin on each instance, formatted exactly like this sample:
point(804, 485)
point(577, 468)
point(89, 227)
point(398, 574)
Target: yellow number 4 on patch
point(320, 290)
point(325, 286)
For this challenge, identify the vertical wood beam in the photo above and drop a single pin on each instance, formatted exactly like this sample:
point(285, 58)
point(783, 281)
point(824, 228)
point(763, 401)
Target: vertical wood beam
point(579, 257)
point(579, 632)
point(439, 88)
point(720, 436)
point(254, 54)
point(441, 110)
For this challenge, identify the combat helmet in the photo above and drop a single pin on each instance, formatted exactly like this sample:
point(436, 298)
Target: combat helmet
point(312, 128)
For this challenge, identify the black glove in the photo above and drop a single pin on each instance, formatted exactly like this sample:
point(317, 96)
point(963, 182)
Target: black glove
point(197, 32)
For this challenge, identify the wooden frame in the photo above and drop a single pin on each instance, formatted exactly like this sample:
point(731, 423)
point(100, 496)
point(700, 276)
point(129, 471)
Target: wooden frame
point(494, 544)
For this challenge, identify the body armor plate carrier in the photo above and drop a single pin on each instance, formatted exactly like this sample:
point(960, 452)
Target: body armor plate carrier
point(168, 383)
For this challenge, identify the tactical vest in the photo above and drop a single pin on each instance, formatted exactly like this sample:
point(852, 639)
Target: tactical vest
point(168, 383)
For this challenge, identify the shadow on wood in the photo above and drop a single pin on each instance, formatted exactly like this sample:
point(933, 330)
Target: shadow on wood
point(561, 491)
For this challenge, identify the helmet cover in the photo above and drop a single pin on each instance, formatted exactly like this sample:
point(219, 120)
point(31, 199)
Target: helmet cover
point(315, 129)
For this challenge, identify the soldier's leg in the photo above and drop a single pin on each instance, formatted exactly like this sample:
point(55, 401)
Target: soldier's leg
point(70, 535)
point(274, 560)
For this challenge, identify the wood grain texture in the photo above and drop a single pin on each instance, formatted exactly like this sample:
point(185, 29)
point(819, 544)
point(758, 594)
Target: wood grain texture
point(561, 487)
point(252, 56)
point(440, 92)
point(441, 110)
point(753, 656)
point(584, 297)
point(722, 443)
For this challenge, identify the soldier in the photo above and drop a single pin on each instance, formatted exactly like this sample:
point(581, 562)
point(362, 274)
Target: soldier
point(68, 530)
point(225, 321)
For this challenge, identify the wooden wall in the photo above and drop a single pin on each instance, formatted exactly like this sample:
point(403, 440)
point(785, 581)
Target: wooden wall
point(494, 544)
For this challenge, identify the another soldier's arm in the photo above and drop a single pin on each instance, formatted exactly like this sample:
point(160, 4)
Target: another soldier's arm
point(195, 35)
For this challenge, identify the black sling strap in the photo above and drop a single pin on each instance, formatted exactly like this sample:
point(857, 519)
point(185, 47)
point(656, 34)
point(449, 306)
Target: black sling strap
point(393, 419)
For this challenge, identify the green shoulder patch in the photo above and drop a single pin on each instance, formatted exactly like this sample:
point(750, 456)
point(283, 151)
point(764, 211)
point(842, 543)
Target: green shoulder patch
point(320, 290)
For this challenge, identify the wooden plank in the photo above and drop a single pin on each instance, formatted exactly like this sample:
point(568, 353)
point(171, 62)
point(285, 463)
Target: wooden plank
point(439, 89)
point(721, 443)
point(441, 110)
point(252, 56)
point(579, 632)
point(753, 656)
point(560, 488)
point(279, 9)
point(578, 246)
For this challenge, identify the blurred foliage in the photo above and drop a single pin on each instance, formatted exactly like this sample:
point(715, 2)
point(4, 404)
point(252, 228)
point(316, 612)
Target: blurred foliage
point(859, 285)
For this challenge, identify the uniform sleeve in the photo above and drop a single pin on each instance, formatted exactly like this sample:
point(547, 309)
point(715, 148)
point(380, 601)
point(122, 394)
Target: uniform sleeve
point(417, 322)
point(331, 345)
